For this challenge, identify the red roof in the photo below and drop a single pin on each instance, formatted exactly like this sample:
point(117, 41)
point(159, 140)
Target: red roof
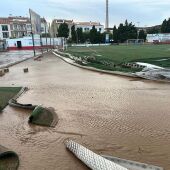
point(4, 21)
point(19, 19)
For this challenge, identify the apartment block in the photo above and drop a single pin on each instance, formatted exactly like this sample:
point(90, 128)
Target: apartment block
point(18, 27)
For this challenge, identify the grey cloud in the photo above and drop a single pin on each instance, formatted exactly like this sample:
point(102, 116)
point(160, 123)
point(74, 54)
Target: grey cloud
point(147, 12)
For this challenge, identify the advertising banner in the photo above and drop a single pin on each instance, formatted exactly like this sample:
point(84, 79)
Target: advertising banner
point(35, 21)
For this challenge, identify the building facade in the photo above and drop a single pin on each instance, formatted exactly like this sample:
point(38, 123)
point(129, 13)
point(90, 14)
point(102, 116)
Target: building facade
point(44, 26)
point(56, 24)
point(18, 27)
point(86, 26)
point(5, 31)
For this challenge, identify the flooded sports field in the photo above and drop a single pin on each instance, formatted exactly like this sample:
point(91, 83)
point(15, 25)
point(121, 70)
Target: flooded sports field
point(118, 116)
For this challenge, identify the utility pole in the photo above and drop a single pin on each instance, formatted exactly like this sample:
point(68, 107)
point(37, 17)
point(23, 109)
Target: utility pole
point(107, 16)
point(107, 22)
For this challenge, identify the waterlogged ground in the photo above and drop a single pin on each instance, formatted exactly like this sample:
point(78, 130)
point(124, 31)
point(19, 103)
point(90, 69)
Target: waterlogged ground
point(14, 56)
point(111, 115)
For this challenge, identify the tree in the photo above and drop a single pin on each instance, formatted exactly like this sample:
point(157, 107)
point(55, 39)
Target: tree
point(124, 32)
point(168, 26)
point(164, 26)
point(142, 35)
point(73, 34)
point(153, 30)
point(99, 37)
point(63, 30)
point(86, 36)
point(120, 33)
point(115, 34)
point(80, 35)
point(93, 35)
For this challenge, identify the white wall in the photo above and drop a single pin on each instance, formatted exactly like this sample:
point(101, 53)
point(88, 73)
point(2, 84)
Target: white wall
point(85, 27)
point(56, 41)
point(27, 41)
point(158, 37)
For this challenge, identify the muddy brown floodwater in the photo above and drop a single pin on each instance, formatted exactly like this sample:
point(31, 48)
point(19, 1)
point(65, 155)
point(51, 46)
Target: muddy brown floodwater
point(123, 117)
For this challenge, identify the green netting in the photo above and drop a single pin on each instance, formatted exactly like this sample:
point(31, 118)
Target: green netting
point(8, 159)
point(43, 116)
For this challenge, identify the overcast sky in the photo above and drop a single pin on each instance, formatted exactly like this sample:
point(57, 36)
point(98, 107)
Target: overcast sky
point(147, 12)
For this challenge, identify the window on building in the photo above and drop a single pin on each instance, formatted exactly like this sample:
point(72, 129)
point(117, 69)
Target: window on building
point(28, 26)
point(11, 27)
point(15, 27)
point(5, 34)
point(24, 27)
point(4, 27)
point(19, 27)
point(100, 29)
point(42, 29)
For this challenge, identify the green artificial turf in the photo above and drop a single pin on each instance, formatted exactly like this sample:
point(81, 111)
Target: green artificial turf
point(118, 54)
point(6, 93)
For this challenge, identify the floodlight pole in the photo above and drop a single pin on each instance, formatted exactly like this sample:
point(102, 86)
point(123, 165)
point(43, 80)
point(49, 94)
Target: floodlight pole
point(107, 16)
point(33, 43)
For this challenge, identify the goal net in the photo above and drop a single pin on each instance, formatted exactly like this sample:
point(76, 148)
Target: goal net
point(135, 41)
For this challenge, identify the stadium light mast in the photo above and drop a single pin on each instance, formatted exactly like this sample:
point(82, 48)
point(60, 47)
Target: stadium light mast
point(107, 16)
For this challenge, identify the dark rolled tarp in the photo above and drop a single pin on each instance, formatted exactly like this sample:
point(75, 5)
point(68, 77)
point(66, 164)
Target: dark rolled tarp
point(44, 117)
point(9, 160)
point(14, 103)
